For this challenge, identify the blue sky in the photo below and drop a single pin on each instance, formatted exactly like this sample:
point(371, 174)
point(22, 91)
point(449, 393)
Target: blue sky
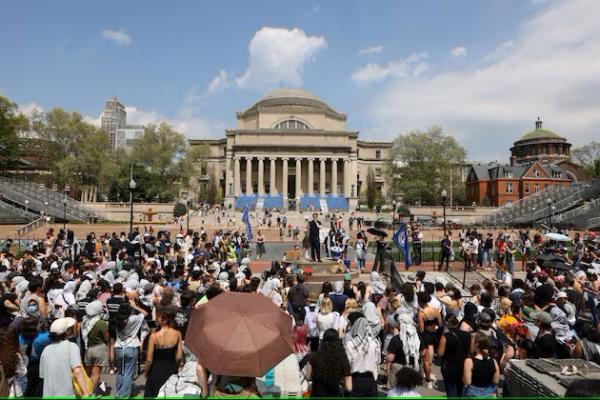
point(484, 70)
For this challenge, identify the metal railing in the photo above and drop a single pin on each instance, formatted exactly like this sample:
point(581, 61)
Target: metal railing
point(25, 229)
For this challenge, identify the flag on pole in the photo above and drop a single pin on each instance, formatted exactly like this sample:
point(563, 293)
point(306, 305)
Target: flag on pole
point(246, 221)
point(400, 238)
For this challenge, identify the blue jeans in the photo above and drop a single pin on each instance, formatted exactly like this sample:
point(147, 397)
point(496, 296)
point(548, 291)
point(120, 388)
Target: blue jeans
point(126, 361)
point(475, 391)
point(487, 258)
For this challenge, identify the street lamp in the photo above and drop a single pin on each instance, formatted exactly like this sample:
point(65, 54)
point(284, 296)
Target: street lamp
point(444, 198)
point(131, 189)
point(188, 215)
point(64, 214)
point(532, 216)
point(549, 202)
point(26, 206)
point(46, 207)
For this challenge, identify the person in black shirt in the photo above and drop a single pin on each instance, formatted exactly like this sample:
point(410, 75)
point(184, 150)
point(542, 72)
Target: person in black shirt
point(298, 298)
point(416, 243)
point(453, 349)
point(379, 263)
point(182, 316)
point(115, 246)
point(314, 228)
point(545, 342)
point(446, 252)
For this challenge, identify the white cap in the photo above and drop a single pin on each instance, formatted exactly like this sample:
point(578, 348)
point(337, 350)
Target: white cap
point(561, 295)
point(61, 325)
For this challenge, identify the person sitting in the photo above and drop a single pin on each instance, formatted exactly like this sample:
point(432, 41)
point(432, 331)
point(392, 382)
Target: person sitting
point(407, 379)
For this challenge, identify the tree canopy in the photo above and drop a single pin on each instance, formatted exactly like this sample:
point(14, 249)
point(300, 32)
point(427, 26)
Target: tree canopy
point(11, 121)
point(422, 163)
point(588, 157)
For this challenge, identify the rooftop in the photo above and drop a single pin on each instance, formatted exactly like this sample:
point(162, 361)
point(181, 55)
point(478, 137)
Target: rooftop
point(540, 133)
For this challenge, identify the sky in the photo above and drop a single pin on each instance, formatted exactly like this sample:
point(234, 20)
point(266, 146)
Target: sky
point(483, 70)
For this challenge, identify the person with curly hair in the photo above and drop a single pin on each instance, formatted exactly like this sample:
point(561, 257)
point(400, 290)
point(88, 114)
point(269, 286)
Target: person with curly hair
point(407, 379)
point(11, 361)
point(328, 368)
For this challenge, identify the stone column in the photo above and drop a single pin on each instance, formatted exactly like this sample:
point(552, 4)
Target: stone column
point(347, 177)
point(261, 176)
point(272, 175)
point(284, 181)
point(354, 177)
point(322, 177)
point(311, 176)
point(298, 177)
point(334, 176)
point(237, 185)
point(248, 175)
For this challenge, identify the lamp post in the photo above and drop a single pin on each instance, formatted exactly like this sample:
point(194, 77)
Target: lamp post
point(549, 202)
point(45, 208)
point(26, 206)
point(131, 189)
point(64, 214)
point(532, 216)
point(444, 198)
point(188, 215)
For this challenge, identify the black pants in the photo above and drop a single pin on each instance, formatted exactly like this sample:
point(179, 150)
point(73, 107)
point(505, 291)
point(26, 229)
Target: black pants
point(417, 253)
point(379, 263)
point(363, 385)
point(315, 247)
point(444, 258)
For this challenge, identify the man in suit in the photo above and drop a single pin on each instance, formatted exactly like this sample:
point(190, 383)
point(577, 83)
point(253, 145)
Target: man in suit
point(314, 228)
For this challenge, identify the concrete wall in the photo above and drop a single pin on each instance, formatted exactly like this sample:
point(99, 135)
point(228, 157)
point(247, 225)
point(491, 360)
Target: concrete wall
point(155, 212)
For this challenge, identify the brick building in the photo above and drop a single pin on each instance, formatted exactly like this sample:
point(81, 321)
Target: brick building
point(539, 159)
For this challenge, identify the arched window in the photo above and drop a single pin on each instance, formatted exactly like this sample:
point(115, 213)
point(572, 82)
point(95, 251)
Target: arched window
point(291, 124)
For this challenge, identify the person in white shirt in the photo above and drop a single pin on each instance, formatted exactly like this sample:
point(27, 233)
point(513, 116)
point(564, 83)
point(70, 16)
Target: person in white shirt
point(474, 252)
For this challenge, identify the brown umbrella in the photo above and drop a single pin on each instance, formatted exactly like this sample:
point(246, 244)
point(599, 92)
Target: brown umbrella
point(239, 334)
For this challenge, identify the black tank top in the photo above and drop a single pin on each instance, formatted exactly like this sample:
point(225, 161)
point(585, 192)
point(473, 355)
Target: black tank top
point(483, 372)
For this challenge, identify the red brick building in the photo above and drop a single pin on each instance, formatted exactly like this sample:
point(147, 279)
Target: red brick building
point(539, 159)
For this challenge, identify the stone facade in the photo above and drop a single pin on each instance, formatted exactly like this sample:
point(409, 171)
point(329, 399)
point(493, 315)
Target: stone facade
point(291, 144)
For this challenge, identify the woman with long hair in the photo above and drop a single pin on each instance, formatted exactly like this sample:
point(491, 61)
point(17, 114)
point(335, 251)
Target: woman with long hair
point(429, 320)
point(326, 318)
point(453, 349)
point(329, 368)
point(364, 355)
point(11, 361)
point(481, 372)
point(165, 351)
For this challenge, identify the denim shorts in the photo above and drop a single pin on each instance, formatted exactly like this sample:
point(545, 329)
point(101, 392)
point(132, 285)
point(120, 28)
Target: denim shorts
point(475, 391)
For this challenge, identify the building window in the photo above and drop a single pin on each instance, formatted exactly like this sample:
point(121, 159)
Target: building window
point(556, 174)
point(546, 186)
point(527, 188)
point(536, 173)
point(377, 172)
point(291, 124)
point(509, 187)
point(536, 188)
point(508, 174)
point(378, 154)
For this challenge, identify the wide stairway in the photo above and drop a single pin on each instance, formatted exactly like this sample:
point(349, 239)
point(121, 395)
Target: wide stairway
point(24, 200)
point(573, 205)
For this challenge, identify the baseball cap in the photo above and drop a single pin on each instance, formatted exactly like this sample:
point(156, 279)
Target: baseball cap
point(347, 277)
point(542, 316)
point(561, 295)
point(61, 325)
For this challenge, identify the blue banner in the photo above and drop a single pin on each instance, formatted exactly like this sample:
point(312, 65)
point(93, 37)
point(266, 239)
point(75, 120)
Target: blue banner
point(246, 221)
point(400, 238)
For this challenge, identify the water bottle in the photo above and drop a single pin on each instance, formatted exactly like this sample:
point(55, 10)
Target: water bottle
point(270, 378)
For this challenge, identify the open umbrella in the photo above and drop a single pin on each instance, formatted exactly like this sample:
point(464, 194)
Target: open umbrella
point(377, 232)
point(556, 236)
point(239, 334)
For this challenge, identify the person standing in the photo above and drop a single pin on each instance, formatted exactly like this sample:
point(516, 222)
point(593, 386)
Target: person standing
point(260, 245)
point(417, 238)
point(314, 228)
point(360, 251)
point(379, 263)
point(446, 252)
point(60, 360)
point(453, 349)
point(481, 372)
point(165, 351)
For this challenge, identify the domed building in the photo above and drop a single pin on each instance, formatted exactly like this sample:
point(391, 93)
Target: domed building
point(540, 145)
point(292, 150)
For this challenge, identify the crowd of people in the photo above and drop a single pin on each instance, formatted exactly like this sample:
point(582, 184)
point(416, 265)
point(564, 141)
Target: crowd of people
point(121, 303)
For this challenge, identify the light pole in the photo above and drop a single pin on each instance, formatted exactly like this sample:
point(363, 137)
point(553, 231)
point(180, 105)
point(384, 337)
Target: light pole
point(188, 216)
point(532, 217)
point(131, 189)
point(444, 198)
point(26, 206)
point(549, 202)
point(45, 208)
point(64, 214)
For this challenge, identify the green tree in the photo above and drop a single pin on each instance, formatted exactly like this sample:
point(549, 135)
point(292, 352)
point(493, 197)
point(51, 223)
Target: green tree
point(371, 191)
point(588, 157)
point(179, 209)
point(421, 164)
point(11, 121)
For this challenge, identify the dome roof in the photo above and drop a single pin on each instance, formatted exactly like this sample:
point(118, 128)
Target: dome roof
point(540, 133)
point(291, 93)
point(295, 98)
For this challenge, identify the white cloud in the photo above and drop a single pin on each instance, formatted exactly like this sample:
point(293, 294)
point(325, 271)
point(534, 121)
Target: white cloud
point(278, 56)
point(371, 50)
point(28, 109)
point(550, 70)
point(119, 37)
point(220, 81)
point(414, 65)
point(459, 51)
